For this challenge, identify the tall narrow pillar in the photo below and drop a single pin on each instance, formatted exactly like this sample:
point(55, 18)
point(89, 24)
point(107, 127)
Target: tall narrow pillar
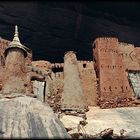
point(73, 96)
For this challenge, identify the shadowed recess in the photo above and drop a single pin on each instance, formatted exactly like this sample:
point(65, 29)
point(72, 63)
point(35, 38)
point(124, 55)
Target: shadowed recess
point(50, 28)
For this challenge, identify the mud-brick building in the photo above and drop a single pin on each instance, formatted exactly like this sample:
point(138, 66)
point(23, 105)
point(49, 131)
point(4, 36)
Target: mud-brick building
point(131, 60)
point(87, 77)
point(4, 45)
point(113, 83)
point(115, 61)
point(111, 79)
point(16, 69)
point(89, 81)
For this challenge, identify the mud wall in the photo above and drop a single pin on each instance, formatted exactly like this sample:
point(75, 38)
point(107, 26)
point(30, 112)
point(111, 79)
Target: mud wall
point(15, 73)
point(87, 77)
point(137, 54)
point(3, 45)
point(73, 97)
point(113, 83)
point(88, 80)
point(130, 56)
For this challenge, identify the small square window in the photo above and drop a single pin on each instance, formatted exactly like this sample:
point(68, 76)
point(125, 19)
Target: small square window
point(84, 65)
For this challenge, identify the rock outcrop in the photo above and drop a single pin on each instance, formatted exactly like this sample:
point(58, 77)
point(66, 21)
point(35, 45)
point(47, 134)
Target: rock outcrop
point(26, 117)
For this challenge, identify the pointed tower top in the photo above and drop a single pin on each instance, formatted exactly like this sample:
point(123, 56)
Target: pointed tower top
point(16, 40)
point(15, 43)
point(16, 29)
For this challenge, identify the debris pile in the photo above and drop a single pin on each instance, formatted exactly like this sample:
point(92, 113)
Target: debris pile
point(105, 134)
point(54, 100)
point(118, 102)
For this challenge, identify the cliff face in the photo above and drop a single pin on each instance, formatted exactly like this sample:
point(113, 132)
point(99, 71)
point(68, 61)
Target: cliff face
point(52, 28)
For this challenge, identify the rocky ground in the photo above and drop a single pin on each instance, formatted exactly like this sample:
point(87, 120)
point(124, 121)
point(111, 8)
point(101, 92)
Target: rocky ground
point(118, 102)
point(116, 123)
point(22, 116)
point(55, 95)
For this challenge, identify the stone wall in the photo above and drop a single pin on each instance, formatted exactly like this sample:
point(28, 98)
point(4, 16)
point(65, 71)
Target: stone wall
point(113, 83)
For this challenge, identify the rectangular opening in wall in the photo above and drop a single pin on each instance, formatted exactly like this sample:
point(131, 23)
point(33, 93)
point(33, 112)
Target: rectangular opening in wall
point(84, 65)
point(110, 88)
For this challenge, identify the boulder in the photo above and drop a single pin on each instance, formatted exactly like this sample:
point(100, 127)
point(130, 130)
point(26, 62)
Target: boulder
point(27, 117)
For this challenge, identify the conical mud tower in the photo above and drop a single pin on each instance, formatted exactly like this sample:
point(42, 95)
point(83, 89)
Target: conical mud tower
point(73, 96)
point(15, 75)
